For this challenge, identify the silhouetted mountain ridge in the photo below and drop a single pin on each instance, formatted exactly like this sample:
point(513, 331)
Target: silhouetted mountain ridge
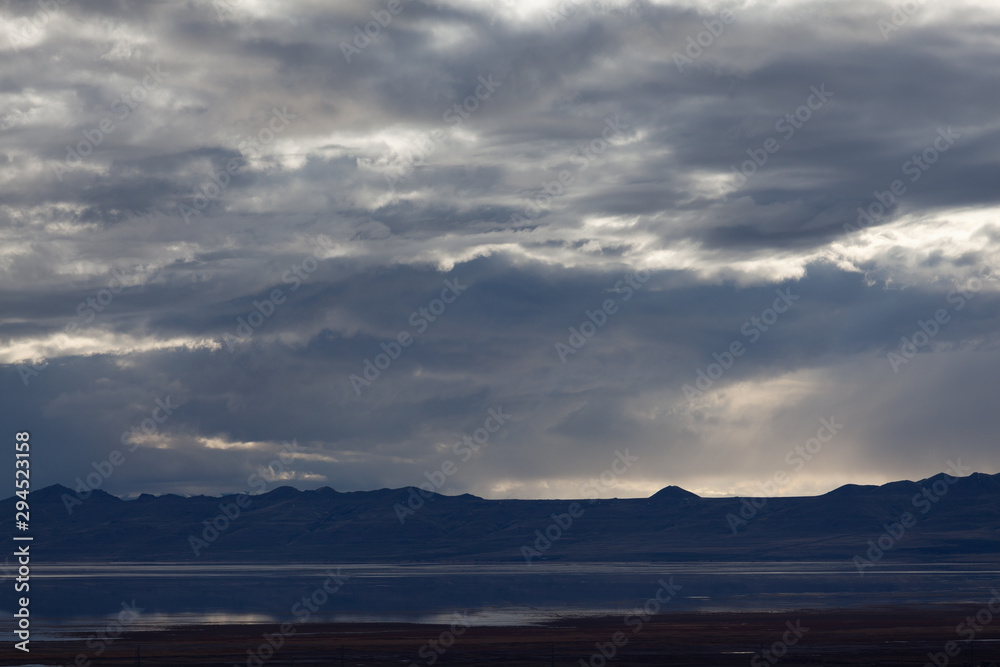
point(957, 519)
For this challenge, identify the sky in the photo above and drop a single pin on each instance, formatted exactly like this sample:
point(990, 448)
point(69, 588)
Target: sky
point(494, 247)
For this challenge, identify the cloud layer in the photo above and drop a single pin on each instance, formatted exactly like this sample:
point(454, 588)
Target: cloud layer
point(235, 207)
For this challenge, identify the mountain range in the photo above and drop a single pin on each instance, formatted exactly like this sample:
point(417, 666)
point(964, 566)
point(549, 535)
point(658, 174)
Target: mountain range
point(938, 519)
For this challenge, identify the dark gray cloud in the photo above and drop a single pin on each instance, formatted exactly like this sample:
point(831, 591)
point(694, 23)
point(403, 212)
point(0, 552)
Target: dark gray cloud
point(229, 150)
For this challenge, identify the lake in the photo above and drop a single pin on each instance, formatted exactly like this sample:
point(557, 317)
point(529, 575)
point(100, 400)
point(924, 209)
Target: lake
point(77, 600)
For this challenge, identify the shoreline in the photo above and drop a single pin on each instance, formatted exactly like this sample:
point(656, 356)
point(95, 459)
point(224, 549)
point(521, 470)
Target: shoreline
point(883, 635)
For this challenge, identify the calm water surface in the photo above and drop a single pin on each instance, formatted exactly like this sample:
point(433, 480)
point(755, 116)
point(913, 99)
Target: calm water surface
point(71, 600)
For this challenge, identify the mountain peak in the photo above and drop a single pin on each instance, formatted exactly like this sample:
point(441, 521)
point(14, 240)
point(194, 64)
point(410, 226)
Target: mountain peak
point(674, 493)
point(51, 492)
point(55, 493)
point(281, 493)
point(974, 483)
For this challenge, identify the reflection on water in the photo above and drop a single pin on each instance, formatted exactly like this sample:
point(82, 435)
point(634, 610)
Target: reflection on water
point(76, 600)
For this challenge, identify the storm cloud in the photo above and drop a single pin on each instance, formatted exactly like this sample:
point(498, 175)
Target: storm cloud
point(692, 230)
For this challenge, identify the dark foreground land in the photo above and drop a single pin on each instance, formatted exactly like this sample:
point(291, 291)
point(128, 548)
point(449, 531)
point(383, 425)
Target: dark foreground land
point(889, 636)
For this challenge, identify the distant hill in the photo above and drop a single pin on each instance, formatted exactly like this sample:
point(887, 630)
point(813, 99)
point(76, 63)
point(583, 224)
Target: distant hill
point(956, 519)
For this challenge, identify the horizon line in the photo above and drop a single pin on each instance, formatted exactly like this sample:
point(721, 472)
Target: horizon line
point(421, 488)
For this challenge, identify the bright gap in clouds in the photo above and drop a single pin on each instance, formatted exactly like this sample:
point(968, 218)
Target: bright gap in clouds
point(652, 200)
